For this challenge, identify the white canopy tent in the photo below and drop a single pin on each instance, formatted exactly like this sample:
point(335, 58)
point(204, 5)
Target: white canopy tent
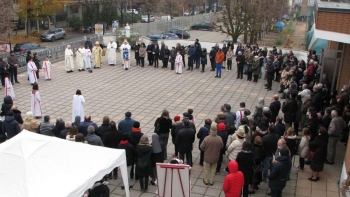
point(34, 165)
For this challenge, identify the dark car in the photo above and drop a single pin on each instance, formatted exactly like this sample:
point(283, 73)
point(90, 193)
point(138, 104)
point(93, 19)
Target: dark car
point(206, 25)
point(181, 33)
point(86, 29)
point(171, 36)
point(23, 47)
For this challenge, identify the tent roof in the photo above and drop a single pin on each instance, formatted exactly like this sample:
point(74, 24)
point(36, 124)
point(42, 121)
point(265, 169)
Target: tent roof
point(34, 165)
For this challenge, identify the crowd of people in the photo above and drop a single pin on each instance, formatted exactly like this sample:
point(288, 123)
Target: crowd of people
point(258, 145)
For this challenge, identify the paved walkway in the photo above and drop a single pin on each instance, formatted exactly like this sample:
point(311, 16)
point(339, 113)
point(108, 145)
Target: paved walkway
point(146, 92)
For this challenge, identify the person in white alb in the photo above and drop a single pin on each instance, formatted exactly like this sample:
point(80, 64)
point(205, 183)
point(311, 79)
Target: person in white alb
point(47, 68)
point(69, 59)
point(31, 68)
point(178, 63)
point(240, 114)
point(88, 57)
point(112, 55)
point(36, 101)
point(78, 106)
point(8, 86)
point(81, 58)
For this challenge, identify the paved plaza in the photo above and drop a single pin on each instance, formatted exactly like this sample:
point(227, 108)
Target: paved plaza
point(145, 92)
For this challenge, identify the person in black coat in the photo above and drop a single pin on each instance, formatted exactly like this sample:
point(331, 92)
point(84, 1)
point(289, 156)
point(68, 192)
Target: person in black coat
point(99, 189)
point(137, 53)
point(155, 53)
point(275, 107)
point(202, 133)
point(164, 123)
point(245, 165)
point(270, 71)
point(270, 146)
point(59, 126)
point(240, 59)
point(197, 54)
point(17, 114)
point(203, 58)
point(212, 55)
point(157, 155)
point(6, 106)
point(280, 128)
point(313, 125)
point(317, 99)
point(184, 140)
point(129, 152)
point(10, 126)
point(143, 162)
point(166, 56)
point(135, 137)
point(289, 109)
point(149, 50)
point(111, 139)
point(279, 173)
point(319, 147)
point(258, 156)
point(102, 130)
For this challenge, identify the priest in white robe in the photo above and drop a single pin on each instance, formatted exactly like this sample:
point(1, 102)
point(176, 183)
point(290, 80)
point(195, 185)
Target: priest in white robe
point(36, 101)
point(178, 63)
point(88, 57)
point(69, 59)
point(81, 58)
point(78, 106)
point(31, 69)
point(47, 67)
point(123, 46)
point(112, 55)
point(8, 87)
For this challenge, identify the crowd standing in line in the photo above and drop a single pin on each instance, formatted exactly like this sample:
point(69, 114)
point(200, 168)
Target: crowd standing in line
point(259, 146)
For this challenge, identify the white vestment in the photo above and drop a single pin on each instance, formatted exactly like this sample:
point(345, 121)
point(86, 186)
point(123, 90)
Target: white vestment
point(112, 55)
point(88, 58)
point(178, 64)
point(9, 89)
point(78, 107)
point(31, 68)
point(47, 69)
point(69, 59)
point(36, 103)
point(81, 58)
point(121, 50)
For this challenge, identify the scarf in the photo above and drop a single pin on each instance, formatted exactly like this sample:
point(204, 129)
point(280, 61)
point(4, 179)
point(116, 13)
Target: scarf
point(123, 142)
point(136, 129)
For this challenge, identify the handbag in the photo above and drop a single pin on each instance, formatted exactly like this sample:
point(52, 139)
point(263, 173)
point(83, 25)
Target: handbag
point(312, 153)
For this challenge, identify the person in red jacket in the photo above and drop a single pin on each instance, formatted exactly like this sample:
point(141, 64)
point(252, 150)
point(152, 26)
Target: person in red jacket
point(234, 181)
point(219, 58)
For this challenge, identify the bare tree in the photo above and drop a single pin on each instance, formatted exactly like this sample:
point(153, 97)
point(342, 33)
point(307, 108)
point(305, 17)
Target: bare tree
point(6, 23)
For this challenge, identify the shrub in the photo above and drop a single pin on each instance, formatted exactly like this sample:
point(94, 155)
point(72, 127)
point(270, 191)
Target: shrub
point(75, 23)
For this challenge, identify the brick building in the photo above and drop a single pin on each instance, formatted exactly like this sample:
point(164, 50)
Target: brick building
point(332, 22)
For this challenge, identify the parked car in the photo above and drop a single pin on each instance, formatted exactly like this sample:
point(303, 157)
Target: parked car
point(132, 10)
point(156, 36)
point(144, 18)
point(171, 36)
point(181, 33)
point(206, 25)
point(285, 17)
point(227, 40)
point(86, 29)
point(53, 34)
point(23, 47)
point(187, 13)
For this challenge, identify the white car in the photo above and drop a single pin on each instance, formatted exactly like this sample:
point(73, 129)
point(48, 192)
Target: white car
point(132, 10)
point(144, 18)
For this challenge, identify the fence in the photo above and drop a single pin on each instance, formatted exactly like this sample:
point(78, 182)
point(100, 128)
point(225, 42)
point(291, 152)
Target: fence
point(165, 26)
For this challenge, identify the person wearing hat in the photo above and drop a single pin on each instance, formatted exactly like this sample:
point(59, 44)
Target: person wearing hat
point(270, 71)
point(173, 133)
point(97, 55)
point(279, 173)
point(230, 116)
point(186, 116)
point(211, 146)
point(236, 146)
point(143, 162)
point(126, 125)
point(12, 60)
point(10, 126)
point(112, 55)
point(224, 136)
point(219, 58)
point(29, 55)
point(69, 59)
